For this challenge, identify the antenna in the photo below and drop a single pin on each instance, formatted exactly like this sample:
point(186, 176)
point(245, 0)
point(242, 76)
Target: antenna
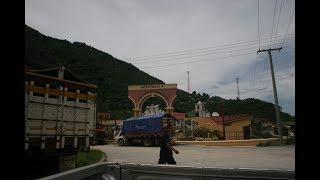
point(188, 82)
point(238, 89)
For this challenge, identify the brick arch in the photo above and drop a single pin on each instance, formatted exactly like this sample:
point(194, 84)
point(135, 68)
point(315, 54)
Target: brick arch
point(133, 102)
point(173, 101)
point(152, 94)
point(139, 93)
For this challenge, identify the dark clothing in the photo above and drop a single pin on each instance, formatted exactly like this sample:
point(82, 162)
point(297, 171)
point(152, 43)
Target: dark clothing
point(164, 140)
point(165, 152)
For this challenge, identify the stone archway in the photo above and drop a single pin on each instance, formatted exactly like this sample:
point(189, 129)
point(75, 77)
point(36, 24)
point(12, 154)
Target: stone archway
point(139, 93)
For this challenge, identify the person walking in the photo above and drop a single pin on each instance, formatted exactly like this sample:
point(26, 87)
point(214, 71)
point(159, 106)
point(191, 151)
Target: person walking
point(166, 155)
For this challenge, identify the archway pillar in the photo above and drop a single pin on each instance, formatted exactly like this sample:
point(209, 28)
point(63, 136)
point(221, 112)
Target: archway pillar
point(169, 110)
point(137, 112)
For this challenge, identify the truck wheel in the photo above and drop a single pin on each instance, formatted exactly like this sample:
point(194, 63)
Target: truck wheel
point(147, 142)
point(120, 142)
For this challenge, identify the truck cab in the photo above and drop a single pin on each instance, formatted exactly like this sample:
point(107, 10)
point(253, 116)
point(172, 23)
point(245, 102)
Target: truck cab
point(118, 137)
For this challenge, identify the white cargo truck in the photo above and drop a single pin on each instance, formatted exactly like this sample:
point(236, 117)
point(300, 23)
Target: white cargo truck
point(60, 117)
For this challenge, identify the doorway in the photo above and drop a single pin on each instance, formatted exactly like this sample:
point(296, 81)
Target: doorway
point(246, 132)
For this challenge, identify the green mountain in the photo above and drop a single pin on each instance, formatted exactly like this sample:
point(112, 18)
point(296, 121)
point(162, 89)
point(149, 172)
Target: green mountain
point(113, 77)
point(110, 74)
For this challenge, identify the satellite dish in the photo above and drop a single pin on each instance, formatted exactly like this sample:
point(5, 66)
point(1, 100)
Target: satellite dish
point(215, 114)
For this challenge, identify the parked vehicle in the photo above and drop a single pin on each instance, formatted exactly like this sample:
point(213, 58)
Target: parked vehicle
point(60, 119)
point(144, 130)
point(100, 137)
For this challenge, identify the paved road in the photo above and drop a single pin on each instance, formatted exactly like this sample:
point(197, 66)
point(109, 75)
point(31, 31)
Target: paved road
point(208, 156)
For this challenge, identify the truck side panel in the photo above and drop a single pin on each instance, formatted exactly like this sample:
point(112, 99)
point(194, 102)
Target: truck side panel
point(151, 125)
point(57, 117)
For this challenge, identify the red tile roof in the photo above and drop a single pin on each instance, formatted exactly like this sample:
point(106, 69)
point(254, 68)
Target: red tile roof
point(179, 116)
point(230, 118)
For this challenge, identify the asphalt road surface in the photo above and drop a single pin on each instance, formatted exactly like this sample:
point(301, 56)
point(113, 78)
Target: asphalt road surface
point(272, 157)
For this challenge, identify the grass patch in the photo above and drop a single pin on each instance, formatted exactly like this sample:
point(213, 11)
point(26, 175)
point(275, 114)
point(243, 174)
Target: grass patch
point(87, 158)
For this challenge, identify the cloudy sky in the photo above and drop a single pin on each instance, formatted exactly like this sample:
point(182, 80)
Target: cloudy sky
point(215, 40)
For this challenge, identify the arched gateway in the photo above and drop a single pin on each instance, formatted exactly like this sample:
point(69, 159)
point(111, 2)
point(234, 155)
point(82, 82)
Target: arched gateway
point(140, 93)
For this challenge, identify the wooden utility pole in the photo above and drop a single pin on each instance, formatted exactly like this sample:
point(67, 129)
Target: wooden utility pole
point(238, 89)
point(274, 91)
point(223, 126)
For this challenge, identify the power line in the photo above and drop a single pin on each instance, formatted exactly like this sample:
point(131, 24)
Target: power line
point(290, 20)
point(199, 49)
point(264, 74)
point(279, 17)
point(151, 67)
point(260, 89)
point(171, 65)
point(186, 57)
point(187, 62)
point(140, 61)
point(253, 42)
point(287, 28)
point(263, 80)
point(277, 57)
point(284, 76)
point(274, 14)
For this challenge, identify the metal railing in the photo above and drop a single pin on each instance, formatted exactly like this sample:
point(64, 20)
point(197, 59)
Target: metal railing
point(130, 171)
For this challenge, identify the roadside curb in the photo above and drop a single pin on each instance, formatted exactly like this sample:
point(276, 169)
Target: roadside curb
point(230, 143)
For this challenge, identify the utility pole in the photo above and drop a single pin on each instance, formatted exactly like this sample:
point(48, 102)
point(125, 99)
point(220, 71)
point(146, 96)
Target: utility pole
point(188, 82)
point(238, 89)
point(191, 122)
point(274, 91)
point(223, 126)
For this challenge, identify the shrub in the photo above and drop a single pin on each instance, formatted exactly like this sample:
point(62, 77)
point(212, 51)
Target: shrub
point(287, 141)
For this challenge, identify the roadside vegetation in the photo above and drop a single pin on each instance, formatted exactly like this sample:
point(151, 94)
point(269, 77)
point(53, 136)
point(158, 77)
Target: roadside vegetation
point(286, 141)
point(87, 158)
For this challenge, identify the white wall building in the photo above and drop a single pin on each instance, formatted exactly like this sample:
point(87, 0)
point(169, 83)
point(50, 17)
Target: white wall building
point(153, 110)
point(199, 107)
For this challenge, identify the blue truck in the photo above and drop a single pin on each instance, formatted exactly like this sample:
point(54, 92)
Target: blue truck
point(143, 130)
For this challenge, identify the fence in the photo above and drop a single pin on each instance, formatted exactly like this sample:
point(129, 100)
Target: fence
point(116, 171)
point(234, 135)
